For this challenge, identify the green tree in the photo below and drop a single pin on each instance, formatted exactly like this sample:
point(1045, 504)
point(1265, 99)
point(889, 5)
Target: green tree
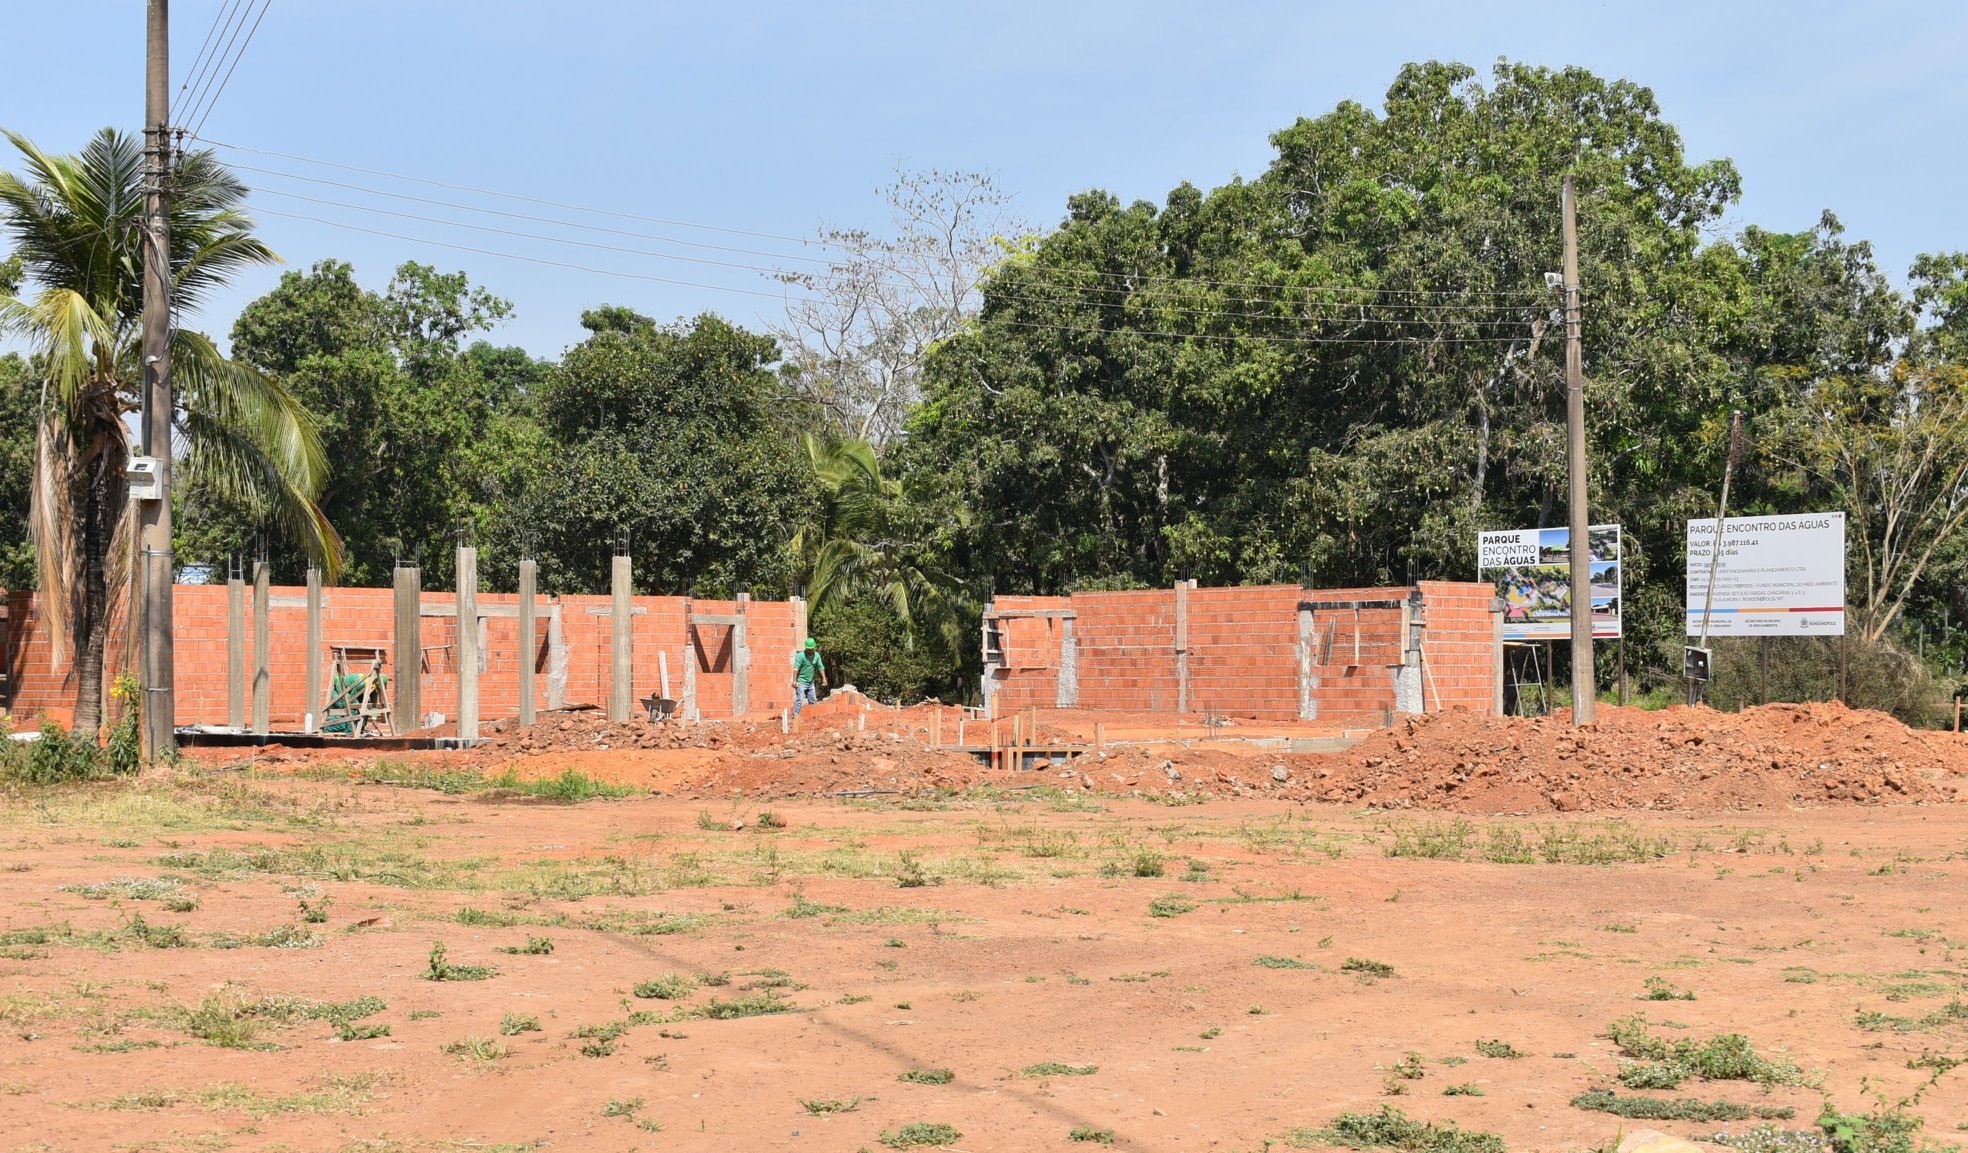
point(414, 422)
point(76, 222)
point(677, 437)
point(20, 398)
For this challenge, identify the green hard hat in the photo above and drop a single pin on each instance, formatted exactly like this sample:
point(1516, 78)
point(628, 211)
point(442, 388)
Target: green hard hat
point(811, 643)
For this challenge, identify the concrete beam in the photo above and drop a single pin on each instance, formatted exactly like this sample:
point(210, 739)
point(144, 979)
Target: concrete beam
point(312, 702)
point(235, 652)
point(468, 647)
point(528, 647)
point(621, 640)
point(407, 658)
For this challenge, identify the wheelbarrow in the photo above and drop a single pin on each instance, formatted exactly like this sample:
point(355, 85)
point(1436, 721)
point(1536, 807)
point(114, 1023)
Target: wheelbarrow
point(659, 708)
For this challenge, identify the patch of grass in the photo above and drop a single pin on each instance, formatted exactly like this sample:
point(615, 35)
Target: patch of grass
point(1498, 1048)
point(1088, 1133)
point(534, 947)
point(805, 908)
point(625, 1108)
point(709, 823)
point(917, 1134)
point(441, 968)
point(126, 888)
point(1658, 1063)
point(1465, 1089)
point(1954, 1011)
point(492, 919)
point(475, 1048)
point(1770, 1139)
point(513, 1024)
point(1392, 1129)
point(673, 987)
point(1365, 969)
point(1271, 962)
point(927, 1076)
point(1170, 906)
point(1659, 989)
point(757, 1005)
point(821, 1107)
point(1056, 1069)
point(155, 936)
point(1675, 1109)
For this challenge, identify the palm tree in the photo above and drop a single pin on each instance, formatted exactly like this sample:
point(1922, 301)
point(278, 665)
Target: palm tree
point(77, 227)
point(857, 544)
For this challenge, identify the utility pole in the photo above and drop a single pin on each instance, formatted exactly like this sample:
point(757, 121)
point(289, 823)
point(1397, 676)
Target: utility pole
point(154, 534)
point(1581, 547)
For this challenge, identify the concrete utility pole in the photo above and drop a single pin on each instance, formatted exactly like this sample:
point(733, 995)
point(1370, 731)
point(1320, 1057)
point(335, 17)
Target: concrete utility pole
point(154, 525)
point(1583, 687)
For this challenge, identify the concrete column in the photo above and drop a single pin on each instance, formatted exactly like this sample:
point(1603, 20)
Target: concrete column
point(621, 640)
point(408, 657)
point(741, 660)
point(688, 702)
point(801, 628)
point(1308, 705)
point(1182, 645)
point(1496, 656)
point(1069, 665)
point(235, 651)
point(987, 687)
point(1409, 696)
point(467, 643)
point(556, 658)
point(262, 645)
point(311, 705)
point(528, 649)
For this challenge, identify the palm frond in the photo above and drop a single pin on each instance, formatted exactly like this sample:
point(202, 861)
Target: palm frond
point(66, 331)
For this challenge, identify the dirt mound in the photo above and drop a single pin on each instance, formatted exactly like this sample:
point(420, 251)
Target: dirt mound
point(568, 730)
point(1773, 756)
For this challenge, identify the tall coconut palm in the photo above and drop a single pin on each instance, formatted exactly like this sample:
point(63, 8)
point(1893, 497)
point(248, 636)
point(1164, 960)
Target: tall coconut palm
point(858, 544)
point(76, 223)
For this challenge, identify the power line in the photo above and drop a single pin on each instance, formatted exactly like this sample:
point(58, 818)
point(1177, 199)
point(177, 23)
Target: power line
point(230, 34)
point(1027, 298)
point(1275, 338)
point(1521, 294)
point(264, 5)
point(195, 72)
point(516, 256)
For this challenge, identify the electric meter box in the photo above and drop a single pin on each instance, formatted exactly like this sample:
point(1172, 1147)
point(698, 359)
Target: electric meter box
point(145, 477)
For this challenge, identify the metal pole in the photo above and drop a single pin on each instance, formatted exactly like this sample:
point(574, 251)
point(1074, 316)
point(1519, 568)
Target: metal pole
point(1715, 545)
point(154, 529)
point(1581, 544)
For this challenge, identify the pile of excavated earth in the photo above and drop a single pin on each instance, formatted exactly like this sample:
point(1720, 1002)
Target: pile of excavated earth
point(1772, 757)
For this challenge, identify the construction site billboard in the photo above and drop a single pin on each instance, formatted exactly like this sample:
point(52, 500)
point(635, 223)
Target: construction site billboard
point(1532, 571)
point(1779, 576)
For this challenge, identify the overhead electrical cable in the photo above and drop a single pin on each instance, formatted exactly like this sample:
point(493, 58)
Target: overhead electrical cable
point(214, 103)
point(195, 73)
point(211, 67)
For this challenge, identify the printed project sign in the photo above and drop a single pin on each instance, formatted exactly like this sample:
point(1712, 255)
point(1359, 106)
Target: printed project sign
point(1532, 569)
point(1780, 576)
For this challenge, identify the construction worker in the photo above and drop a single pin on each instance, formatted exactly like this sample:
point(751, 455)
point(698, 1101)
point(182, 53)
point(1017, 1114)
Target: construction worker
point(807, 669)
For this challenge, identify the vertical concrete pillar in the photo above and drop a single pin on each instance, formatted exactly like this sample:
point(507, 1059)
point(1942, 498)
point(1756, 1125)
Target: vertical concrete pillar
point(1409, 695)
point(556, 658)
point(741, 660)
point(408, 656)
point(1069, 665)
point(235, 649)
point(528, 648)
point(311, 704)
point(621, 640)
point(1496, 656)
point(467, 650)
point(1308, 705)
point(1182, 644)
point(689, 700)
point(262, 645)
point(800, 626)
point(987, 687)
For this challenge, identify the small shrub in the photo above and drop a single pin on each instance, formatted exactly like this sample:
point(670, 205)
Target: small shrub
point(674, 987)
point(1087, 1133)
point(1056, 1069)
point(628, 1108)
point(482, 1049)
point(1675, 1109)
point(441, 969)
point(803, 908)
point(534, 947)
point(909, 873)
point(1366, 969)
point(1170, 906)
point(822, 1107)
point(513, 1024)
point(1392, 1129)
point(917, 1134)
point(1500, 1049)
point(1659, 989)
point(1269, 962)
point(1466, 1089)
point(927, 1076)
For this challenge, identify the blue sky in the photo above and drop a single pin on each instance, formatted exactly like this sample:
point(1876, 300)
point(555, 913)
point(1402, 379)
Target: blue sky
point(778, 118)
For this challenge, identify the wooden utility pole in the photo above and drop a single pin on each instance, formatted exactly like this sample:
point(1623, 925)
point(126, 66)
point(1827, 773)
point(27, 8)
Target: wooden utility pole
point(154, 524)
point(1581, 543)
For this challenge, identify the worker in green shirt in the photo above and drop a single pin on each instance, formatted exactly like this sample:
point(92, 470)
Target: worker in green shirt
point(807, 669)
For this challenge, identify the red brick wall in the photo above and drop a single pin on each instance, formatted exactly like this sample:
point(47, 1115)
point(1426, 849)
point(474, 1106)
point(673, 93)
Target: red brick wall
point(355, 616)
point(1243, 651)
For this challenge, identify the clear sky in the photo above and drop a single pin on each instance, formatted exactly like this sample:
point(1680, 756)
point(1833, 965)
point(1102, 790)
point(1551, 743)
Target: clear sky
point(778, 118)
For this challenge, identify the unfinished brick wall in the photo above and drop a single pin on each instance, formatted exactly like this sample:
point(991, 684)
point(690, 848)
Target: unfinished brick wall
point(366, 617)
point(1265, 651)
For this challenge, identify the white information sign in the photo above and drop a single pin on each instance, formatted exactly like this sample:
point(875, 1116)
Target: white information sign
point(1532, 571)
point(1780, 576)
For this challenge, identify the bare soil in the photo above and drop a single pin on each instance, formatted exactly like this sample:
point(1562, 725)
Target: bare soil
point(983, 934)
